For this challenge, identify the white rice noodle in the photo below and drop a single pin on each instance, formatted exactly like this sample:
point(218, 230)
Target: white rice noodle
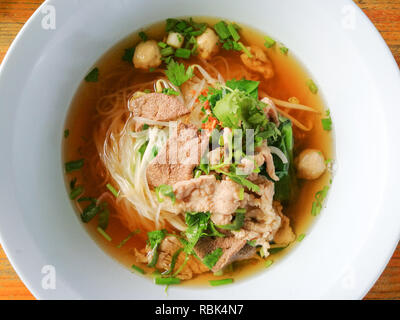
point(279, 153)
point(198, 89)
point(205, 74)
point(153, 122)
point(287, 104)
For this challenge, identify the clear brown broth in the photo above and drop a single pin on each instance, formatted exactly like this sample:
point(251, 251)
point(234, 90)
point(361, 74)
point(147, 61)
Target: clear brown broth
point(289, 81)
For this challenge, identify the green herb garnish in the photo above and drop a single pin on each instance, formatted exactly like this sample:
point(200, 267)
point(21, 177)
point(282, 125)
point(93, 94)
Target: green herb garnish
point(211, 259)
point(237, 223)
point(268, 263)
point(154, 239)
point(123, 242)
point(170, 92)
point(269, 42)
point(112, 190)
point(74, 165)
point(93, 76)
point(66, 133)
point(75, 192)
point(301, 237)
point(90, 212)
point(220, 282)
point(177, 74)
point(319, 200)
point(284, 50)
point(327, 122)
point(183, 53)
point(138, 269)
point(166, 281)
point(143, 36)
point(104, 234)
point(165, 190)
point(128, 54)
point(312, 86)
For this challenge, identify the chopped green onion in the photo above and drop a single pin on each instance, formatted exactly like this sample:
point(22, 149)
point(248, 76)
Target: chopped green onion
point(167, 281)
point(312, 86)
point(284, 50)
point(112, 190)
point(90, 212)
point(245, 50)
point(327, 122)
point(220, 282)
point(276, 250)
point(75, 192)
point(240, 210)
point(104, 234)
point(319, 199)
point(222, 30)
point(66, 133)
point(241, 194)
point(92, 76)
point(123, 242)
point(103, 219)
point(269, 42)
point(143, 36)
point(167, 51)
point(301, 237)
point(268, 263)
point(170, 92)
point(183, 53)
point(74, 165)
point(162, 44)
point(233, 32)
point(138, 269)
point(197, 173)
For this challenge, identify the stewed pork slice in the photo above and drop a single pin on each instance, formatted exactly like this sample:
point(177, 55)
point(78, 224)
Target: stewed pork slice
point(285, 235)
point(258, 62)
point(263, 154)
point(168, 247)
point(271, 111)
point(262, 221)
point(181, 154)
point(157, 106)
point(206, 194)
point(233, 249)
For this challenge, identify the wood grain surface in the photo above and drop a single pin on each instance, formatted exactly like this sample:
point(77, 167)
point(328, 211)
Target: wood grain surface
point(385, 14)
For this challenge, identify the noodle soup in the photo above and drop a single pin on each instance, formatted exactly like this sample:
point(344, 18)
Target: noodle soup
point(202, 222)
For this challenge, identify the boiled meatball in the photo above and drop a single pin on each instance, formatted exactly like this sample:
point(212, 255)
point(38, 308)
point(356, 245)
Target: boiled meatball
point(310, 164)
point(147, 55)
point(207, 44)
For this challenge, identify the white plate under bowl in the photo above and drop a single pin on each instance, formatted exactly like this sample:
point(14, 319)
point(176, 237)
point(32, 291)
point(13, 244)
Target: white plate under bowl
point(347, 247)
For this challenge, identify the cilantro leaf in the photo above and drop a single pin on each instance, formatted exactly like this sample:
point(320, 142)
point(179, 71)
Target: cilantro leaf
point(248, 86)
point(165, 190)
point(176, 73)
point(154, 239)
point(211, 259)
point(128, 55)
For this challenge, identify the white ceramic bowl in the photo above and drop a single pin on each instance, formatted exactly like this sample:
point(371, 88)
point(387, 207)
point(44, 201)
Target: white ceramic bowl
point(347, 247)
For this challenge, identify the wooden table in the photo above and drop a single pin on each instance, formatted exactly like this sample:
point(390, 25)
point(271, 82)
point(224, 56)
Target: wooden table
point(385, 14)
